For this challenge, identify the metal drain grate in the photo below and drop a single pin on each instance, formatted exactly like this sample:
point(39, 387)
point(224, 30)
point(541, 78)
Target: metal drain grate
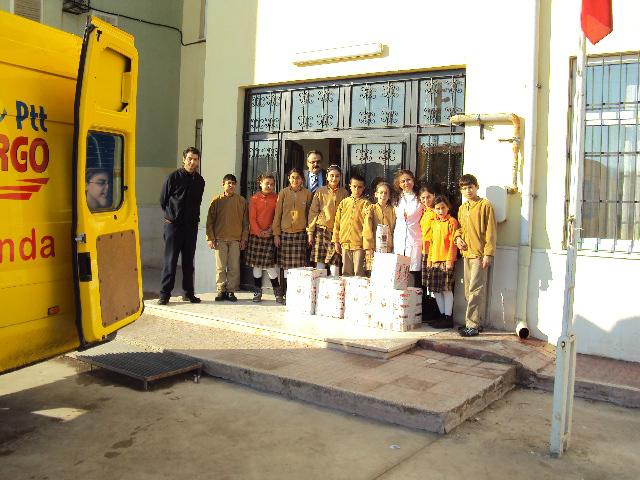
point(138, 363)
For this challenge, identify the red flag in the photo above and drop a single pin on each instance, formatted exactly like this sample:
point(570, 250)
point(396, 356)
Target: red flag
point(596, 19)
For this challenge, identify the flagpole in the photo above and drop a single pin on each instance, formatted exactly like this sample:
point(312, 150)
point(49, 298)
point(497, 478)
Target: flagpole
point(566, 348)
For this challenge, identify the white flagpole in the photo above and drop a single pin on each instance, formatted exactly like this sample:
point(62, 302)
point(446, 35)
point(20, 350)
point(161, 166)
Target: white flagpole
point(566, 349)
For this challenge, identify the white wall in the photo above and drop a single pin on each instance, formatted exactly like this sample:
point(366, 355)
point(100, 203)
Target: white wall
point(493, 42)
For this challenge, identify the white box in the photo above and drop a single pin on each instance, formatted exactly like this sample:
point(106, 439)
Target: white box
point(393, 309)
point(330, 297)
point(302, 289)
point(382, 238)
point(357, 300)
point(415, 300)
point(390, 271)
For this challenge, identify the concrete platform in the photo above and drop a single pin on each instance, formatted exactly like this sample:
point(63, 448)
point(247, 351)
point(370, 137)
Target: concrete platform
point(271, 319)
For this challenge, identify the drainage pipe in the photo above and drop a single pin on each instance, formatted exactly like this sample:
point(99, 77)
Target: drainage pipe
point(528, 182)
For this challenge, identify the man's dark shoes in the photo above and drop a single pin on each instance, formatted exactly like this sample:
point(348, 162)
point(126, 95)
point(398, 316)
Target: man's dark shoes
point(231, 297)
point(163, 300)
point(469, 332)
point(190, 298)
point(445, 322)
point(480, 329)
point(221, 296)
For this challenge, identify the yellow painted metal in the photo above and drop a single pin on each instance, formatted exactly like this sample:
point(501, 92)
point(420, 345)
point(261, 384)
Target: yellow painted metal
point(110, 70)
point(38, 71)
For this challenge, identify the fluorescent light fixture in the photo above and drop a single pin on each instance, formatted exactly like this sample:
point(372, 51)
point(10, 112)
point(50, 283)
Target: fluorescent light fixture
point(339, 54)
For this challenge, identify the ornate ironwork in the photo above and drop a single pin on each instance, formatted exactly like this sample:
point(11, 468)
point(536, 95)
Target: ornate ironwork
point(432, 114)
point(305, 97)
point(451, 85)
point(451, 111)
point(390, 90)
point(431, 87)
point(268, 123)
point(273, 99)
point(325, 95)
point(385, 155)
point(363, 155)
point(305, 121)
point(368, 92)
point(367, 117)
point(324, 119)
point(389, 117)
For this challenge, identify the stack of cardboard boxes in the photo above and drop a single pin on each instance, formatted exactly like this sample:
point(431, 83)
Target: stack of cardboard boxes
point(384, 301)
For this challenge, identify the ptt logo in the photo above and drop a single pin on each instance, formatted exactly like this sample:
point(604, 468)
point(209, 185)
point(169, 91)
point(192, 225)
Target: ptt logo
point(23, 155)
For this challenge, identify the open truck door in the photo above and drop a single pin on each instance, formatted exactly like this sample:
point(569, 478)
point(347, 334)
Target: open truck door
point(106, 249)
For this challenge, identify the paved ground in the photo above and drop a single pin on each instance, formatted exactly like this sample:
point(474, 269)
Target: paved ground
point(58, 422)
point(421, 389)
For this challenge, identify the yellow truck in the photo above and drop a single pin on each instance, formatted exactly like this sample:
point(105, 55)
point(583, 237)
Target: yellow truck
point(70, 273)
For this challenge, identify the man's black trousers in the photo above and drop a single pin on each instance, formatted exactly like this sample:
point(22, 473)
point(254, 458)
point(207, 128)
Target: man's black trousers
point(178, 239)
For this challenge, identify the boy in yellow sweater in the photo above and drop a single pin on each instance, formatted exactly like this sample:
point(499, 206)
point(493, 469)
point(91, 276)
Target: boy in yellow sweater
point(227, 234)
point(347, 230)
point(476, 239)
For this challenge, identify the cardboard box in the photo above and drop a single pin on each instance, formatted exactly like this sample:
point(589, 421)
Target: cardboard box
point(393, 309)
point(382, 238)
point(390, 271)
point(357, 300)
point(302, 287)
point(415, 300)
point(330, 297)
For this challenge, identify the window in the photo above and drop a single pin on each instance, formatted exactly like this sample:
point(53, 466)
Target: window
point(381, 123)
point(611, 188)
point(105, 161)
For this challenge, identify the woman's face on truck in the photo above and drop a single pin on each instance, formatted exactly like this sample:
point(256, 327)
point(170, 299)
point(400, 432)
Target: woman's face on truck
point(98, 191)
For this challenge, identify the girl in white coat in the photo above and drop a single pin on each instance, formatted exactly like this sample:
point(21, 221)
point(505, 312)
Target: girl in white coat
point(407, 236)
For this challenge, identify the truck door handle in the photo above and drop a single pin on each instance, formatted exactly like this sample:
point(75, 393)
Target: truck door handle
point(84, 267)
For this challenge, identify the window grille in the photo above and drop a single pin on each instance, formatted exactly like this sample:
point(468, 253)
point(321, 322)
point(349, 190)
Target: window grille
point(611, 188)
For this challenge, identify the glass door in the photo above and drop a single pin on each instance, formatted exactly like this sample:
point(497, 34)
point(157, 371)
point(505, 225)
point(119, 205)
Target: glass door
point(377, 159)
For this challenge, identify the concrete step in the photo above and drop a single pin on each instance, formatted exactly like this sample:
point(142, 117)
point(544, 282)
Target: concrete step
point(420, 389)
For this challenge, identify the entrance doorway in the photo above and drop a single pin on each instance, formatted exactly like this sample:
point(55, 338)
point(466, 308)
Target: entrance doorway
point(295, 153)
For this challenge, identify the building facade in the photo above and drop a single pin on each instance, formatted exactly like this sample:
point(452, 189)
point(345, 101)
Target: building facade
point(374, 85)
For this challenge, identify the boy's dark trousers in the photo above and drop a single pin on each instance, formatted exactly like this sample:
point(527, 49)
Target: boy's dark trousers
point(178, 239)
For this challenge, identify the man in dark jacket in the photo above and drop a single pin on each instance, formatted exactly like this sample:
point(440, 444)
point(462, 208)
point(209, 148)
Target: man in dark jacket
point(315, 177)
point(180, 200)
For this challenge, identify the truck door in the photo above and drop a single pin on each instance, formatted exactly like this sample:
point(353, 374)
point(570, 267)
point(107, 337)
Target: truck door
point(107, 272)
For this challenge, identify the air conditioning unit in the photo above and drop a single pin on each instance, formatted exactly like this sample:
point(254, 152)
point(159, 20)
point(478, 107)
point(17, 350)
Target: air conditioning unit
point(30, 9)
point(76, 7)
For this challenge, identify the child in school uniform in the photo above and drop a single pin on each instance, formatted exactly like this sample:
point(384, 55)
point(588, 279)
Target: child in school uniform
point(441, 259)
point(227, 234)
point(322, 216)
point(347, 230)
point(407, 236)
point(379, 213)
point(476, 239)
point(430, 311)
point(289, 226)
point(261, 249)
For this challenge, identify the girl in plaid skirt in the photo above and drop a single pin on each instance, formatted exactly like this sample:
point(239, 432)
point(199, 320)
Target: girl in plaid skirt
point(289, 226)
point(378, 213)
point(430, 311)
point(261, 250)
point(441, 259)
point(321, 219)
